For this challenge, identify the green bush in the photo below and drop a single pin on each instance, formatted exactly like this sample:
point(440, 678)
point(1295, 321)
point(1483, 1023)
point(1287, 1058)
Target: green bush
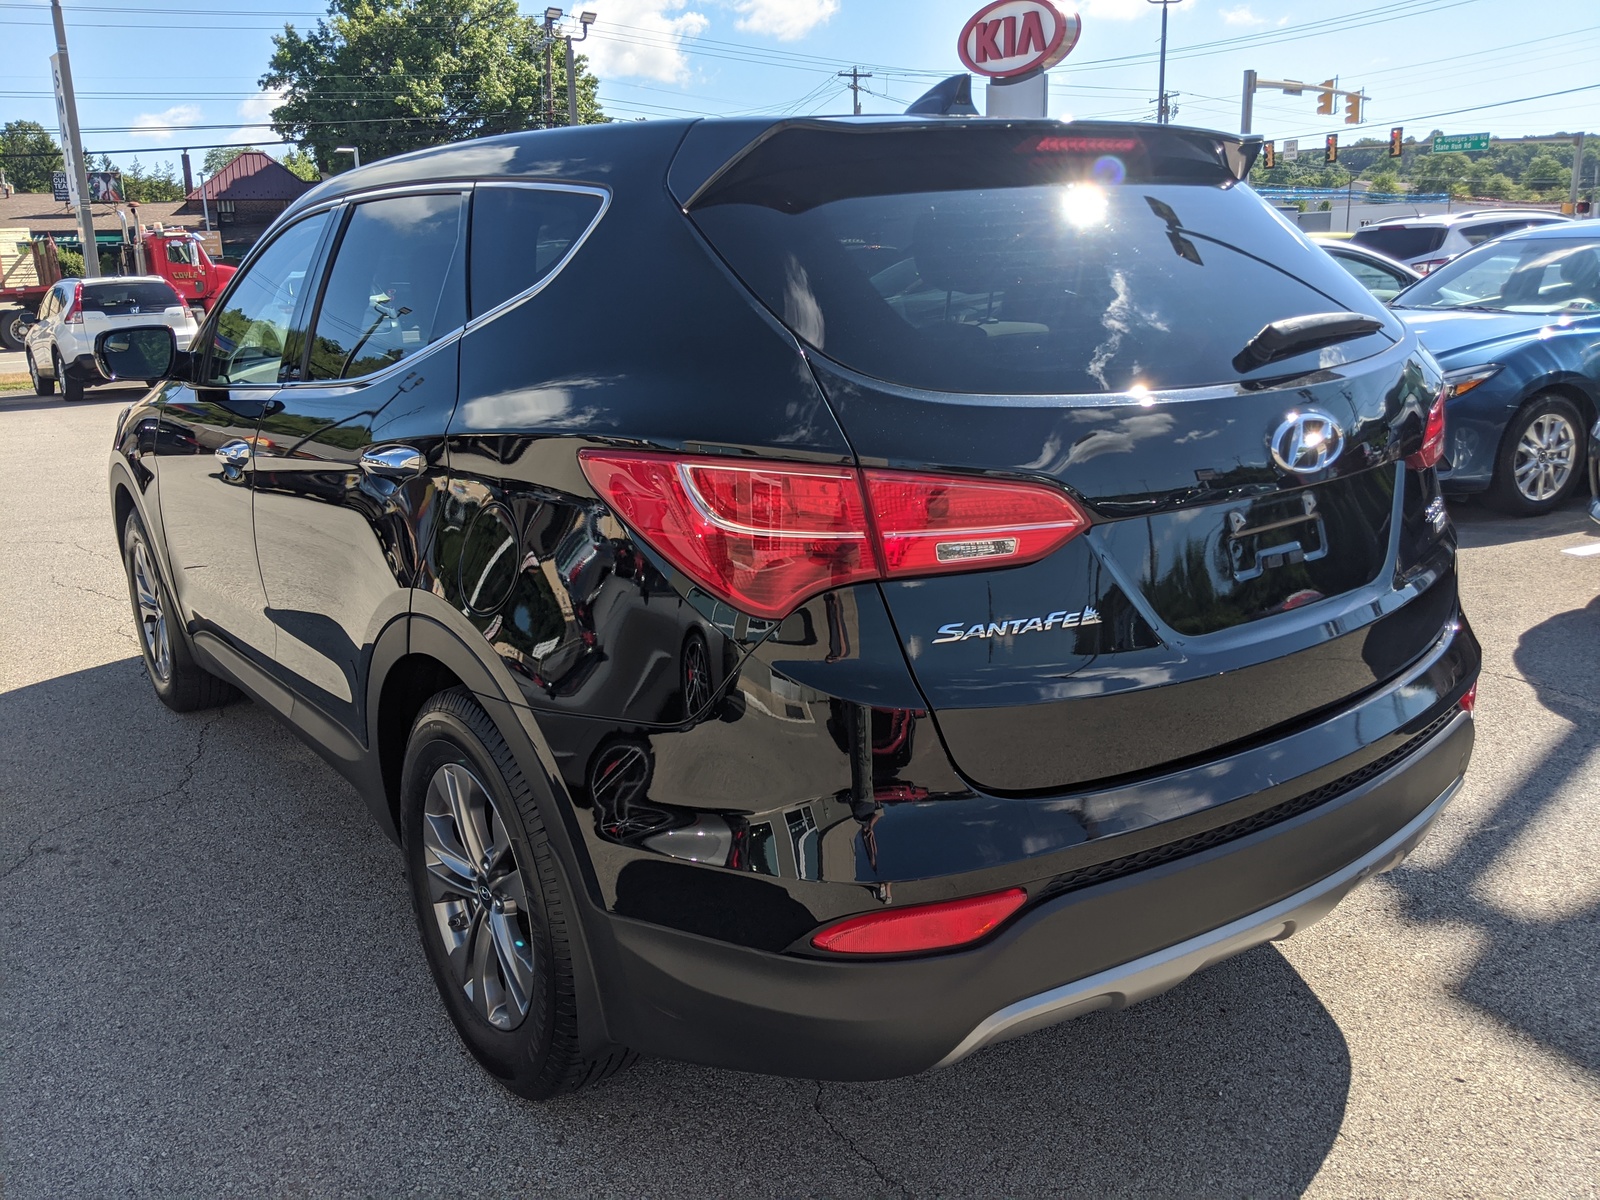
point(71, 263)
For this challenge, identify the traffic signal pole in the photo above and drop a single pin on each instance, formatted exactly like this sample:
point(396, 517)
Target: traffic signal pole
point(77, 173)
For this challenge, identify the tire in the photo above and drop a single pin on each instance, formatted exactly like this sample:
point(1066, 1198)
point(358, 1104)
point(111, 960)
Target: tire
point(71, 385)
point(180, 682)
point(508, 924)
point(1545, 438)
point(41, 385)
point(13, 333)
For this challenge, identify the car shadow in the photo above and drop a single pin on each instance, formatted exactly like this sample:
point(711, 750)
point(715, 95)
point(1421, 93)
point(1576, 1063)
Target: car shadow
point(1478, 525)
point(1540, 947)
point(270, 997)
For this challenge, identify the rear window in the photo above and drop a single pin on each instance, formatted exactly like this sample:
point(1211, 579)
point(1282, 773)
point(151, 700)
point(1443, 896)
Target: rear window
point(119, 299)
point(519, 235)
point(1401, 241)
point(1019, 263)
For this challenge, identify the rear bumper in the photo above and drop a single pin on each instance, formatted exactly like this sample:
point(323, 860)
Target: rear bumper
point(682, 996)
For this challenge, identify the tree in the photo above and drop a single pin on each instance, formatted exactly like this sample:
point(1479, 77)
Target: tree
point(1386, 182)
point(1544, 173)
point(144, 186)
point(395, 75)
point(28, 155)
point(302, 165)
point(219, 157)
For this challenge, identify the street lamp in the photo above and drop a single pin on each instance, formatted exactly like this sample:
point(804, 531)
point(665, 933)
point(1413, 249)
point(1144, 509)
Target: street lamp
point(353, 151)
point(1161, 104)
point(551, 17)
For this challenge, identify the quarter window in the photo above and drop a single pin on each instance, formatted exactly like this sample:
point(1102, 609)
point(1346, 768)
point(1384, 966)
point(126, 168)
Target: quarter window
point(247, 345)
point(520, 235)
point(396, 285)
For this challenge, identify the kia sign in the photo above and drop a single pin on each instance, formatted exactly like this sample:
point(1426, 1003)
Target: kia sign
point(1012, 37)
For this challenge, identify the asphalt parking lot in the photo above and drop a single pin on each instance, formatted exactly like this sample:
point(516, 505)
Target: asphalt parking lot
point(210, 982)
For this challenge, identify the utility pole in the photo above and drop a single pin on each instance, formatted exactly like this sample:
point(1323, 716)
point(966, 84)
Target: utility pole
point(551, 16)
point(72, 147)
point(855, 75)
point(1163, 112)
point(585, 20)
point(1577, 170)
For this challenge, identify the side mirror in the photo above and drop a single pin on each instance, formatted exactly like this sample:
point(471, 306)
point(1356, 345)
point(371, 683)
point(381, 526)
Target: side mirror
point(143, 352)
point(27, 318)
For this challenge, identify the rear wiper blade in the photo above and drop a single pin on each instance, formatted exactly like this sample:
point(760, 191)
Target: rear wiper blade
point(1294, 335)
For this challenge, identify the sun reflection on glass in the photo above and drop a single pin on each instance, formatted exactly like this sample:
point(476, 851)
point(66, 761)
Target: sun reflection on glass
point(1083, 205)
point(1108, 169)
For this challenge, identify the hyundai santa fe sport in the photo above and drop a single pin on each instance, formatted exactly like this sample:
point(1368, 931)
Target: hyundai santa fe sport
point(814, 596)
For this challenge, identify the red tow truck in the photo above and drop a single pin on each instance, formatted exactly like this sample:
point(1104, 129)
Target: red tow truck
point(29, 267)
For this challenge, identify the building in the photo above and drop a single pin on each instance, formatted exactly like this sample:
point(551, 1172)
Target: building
point(242, 199)
point(41, 213)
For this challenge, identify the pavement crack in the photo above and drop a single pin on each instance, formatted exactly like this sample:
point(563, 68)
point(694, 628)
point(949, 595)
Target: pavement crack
point(888, 1179)
point(189, 769)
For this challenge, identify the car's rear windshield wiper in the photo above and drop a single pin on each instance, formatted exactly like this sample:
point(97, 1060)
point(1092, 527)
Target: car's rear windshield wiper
point(1294, 335)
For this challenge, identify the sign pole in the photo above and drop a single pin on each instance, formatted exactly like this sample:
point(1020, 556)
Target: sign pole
point(72, 148)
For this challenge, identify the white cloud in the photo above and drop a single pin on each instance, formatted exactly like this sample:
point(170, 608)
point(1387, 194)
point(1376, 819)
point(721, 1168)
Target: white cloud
point(786, 20)
point(1115, 10)
point(641, 39)
point(164, 124)
point(259, 107)
point(1241, 16)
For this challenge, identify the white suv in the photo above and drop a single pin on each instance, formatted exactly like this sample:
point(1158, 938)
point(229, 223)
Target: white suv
point(60, 339)
point(1423, 243)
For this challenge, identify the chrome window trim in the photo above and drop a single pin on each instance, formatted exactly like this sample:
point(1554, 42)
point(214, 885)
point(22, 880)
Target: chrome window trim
point(604, 196)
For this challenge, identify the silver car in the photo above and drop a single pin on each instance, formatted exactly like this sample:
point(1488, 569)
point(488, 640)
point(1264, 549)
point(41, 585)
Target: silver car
point(60, 340)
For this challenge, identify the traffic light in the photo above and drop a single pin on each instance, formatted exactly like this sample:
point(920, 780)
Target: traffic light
point(1396, 143)
point(1330, 153)
point(1352, 108)
point(1325, 99)
point(1269, 156)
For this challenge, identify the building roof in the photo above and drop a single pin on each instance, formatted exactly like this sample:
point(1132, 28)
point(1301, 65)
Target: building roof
point(41, 212)
point(252, 175)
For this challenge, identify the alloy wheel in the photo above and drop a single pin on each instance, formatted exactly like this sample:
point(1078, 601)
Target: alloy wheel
point(152, 611)
point(1544, 457)
point(479, 899)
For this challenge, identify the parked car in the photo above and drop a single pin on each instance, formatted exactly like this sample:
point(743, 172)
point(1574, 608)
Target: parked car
point(1426, 243)
point(59, 339)
point(1378, 273)
point(1516, 326)
point(815, 596)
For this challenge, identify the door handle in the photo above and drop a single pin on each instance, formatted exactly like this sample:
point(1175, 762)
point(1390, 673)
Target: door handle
point(393, 462)
point(235, 454)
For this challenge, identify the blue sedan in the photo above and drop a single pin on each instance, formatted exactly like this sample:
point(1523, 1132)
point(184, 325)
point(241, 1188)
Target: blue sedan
point(1515, 323)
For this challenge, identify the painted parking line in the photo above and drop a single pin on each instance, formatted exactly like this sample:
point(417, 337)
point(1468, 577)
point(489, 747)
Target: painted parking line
point(1588, 551)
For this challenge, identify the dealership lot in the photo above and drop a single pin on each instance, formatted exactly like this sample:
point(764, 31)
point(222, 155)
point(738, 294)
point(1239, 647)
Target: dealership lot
point(211, 983)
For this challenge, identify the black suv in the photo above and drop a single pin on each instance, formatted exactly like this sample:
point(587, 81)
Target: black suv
point(815, 596)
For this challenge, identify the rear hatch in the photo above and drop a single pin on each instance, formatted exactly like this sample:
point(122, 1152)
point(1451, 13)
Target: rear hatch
point(110, 303)
point(1404, 242)
point(1038, 301)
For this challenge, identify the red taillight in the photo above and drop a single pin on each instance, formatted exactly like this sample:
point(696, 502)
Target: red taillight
point(921, 926)
point(1469, 698)
point(74, 314)
point(929, 524)
point(762, 536)
point(765, 536)
point(1422, 268)
point(1432, 439)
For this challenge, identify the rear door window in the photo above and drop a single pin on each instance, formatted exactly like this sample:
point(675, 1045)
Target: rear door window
point(132, 297)
point(397, 285)
point(1035, 269)
point(520, 234)
point(1401, 241)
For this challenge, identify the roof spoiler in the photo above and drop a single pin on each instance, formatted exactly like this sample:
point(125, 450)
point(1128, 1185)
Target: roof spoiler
point(950, 97)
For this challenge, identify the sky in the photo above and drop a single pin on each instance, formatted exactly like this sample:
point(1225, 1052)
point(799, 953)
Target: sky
point(155, 75)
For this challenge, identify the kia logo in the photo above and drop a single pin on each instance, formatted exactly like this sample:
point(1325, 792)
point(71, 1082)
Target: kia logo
point(1012, 37)
point(1307, 442)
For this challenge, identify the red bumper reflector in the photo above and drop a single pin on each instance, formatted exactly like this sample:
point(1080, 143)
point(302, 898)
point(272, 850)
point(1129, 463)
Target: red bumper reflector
point(1469, 698)
point(921, 926)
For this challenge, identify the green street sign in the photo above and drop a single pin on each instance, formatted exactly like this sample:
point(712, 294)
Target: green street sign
point(1460, 141)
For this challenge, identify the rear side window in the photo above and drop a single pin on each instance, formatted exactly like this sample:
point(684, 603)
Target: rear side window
point(396, 286)
point(1401, 241)
point(122, 298)
point(1028, 266)
point(520, 235)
